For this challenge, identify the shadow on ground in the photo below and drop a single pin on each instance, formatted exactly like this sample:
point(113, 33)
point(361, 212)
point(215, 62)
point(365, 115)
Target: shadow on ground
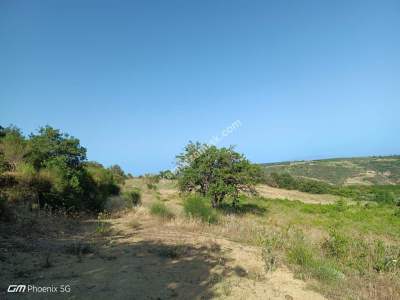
point(113, 269)
point(242, 209)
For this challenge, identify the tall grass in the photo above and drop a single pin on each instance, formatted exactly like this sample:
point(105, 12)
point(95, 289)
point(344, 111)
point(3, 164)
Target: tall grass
point(199, 207)
point(339, 261)
point(133, 197)
point(161, 210)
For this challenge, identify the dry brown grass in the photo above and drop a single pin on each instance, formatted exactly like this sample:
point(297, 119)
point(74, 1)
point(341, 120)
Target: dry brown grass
point(276, 193)
point(181, 257)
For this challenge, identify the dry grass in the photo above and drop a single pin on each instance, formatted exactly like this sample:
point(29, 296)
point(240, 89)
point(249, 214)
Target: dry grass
point(244, 256)
point(276, 193)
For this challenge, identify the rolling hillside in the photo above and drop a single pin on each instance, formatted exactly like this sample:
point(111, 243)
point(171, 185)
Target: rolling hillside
point(344, 171)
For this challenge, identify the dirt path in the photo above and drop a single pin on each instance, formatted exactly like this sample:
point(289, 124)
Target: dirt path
point(199, 266)
point(143, 257)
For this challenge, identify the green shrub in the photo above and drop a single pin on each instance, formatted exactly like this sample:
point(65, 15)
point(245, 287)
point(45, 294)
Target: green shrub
point(384, 196)
point(118, 174)
point(151, 186)
point(384, 257)
point(199, 207)
point(161, 210)
point(378, 193)
point(167, 174)
point(340, 205)
point(302, 255)
point(133, 198)
point(151, 181)
point(50, 168)
point(336, 245)
point(102, 226)
point(397, 212)
point(287, 181)
point(100, 184)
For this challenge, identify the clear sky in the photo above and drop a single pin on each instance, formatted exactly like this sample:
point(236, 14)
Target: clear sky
point(136, 80)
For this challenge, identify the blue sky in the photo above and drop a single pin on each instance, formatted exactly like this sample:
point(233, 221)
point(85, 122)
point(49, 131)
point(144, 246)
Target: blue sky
point(135, 81)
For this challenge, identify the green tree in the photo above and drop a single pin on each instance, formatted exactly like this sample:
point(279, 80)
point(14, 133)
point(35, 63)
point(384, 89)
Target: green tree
point(216, 173)
point(12, 148)
point(50, 143)
point(50, 168)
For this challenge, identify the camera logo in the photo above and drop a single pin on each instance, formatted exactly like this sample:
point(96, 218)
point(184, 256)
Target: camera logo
point(16, 288)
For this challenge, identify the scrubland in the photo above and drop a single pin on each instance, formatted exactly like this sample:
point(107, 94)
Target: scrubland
point(171, 245)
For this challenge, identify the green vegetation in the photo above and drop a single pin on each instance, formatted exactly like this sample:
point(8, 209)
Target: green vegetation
point(49, 169)
point(303, 255)
point(289, 182)
point(377, 193)
point(118, 174)
point(167, 174)
point(102, 227)
point(133, 197)
point(350, 250)
point(337, 260)
point(161, 210)
point(373, 170)
point(199, 207)
point(151, 181)
point(216, 173)
point(343, 246)
point(378, 219)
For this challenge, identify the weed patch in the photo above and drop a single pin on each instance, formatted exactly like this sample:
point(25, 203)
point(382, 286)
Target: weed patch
point(133, 198)
point(161, 210)
point(199, 207)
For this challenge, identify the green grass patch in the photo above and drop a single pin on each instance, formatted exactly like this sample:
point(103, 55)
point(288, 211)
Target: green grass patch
point(132, 197)
point(339, 261)
point(309, 264)
point(161, 210)
point(350, 245)
point(199, 207)
point(376, 219)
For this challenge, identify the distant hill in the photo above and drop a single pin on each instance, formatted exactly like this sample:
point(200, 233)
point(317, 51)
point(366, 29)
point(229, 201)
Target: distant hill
point(343, 171)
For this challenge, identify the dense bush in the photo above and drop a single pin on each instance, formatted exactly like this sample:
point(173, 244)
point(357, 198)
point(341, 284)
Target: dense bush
point(287, 181)
point(50, 169)
point(118, 174)
point(337, 245)
point(199, 207)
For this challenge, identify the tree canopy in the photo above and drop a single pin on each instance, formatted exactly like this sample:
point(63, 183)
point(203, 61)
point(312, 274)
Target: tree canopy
point(216, 172)
point(50, 168)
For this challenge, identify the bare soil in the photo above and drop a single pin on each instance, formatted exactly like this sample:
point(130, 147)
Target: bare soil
point(135, 255)
point(138, 256)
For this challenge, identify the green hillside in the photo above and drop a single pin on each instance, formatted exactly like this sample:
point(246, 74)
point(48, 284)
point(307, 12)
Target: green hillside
point(346, 171)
